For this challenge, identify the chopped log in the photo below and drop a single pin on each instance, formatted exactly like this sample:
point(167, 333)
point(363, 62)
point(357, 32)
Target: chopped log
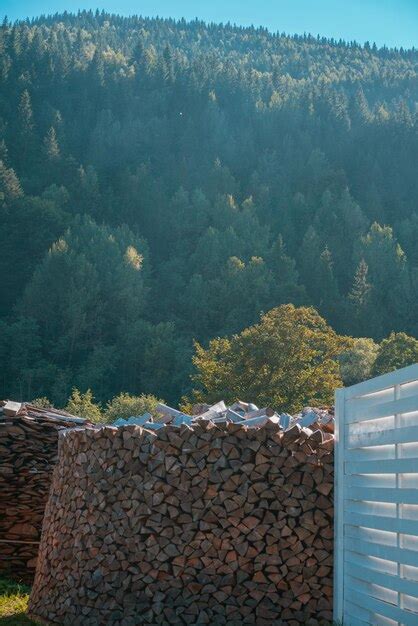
point(11, 408)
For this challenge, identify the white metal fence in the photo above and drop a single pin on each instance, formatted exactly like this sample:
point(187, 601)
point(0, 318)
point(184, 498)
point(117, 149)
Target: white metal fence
point(376, 501)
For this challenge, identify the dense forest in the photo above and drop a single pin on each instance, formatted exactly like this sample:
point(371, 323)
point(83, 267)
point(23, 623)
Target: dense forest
point(164, 181)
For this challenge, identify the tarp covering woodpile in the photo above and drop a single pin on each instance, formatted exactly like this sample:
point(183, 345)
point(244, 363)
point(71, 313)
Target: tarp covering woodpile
point(28, 453)
point(208, 523)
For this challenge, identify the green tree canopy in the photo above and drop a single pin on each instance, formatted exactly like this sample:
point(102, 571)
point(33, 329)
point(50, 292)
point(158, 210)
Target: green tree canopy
point(287, 360)
point(357, 361)
point(398, 350)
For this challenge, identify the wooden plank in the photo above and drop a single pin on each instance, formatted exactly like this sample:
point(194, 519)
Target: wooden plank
point(365, 402)
point(382, 494)
point(408, 434)
point(339, 449)
point(356, 615)
point(11, 408)
point(390, 524)
point(389, 553)
point(36, 543)
point(398, 377)
point(370, 454)
point(369, 481)
point(373, 535)
point(383, 466)
point(385, 409)
point(368, 575)
point(408, 618)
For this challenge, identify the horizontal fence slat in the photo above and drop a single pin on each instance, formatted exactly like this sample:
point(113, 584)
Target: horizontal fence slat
point(385, 409)
point(368, 481)
point(357, 615)
point(383, 466)
point(370, 575)
point(372, 454)
point(389, 553)
point(380, 522)
point(363, 600)
point(352, 618)
point(398, 377)
point(407, 434)
point(365, 402)
point(382, 494)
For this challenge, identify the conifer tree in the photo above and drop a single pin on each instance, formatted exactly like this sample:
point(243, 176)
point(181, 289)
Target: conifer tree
point(328, 286)
point(51, 147)
point(359, 302)
point(25, 143)
point(25, 114)
point(10, 188)
point(388, 271)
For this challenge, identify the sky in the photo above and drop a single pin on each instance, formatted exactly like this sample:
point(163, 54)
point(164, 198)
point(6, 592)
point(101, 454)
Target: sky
point(386, 22)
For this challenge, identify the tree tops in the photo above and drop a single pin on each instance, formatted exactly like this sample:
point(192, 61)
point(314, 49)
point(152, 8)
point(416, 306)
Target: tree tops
point(165, 181)
point(287, 360)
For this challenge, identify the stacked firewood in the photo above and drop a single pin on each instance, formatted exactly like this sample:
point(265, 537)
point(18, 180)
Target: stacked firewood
point(28, 453)
point(202, 524)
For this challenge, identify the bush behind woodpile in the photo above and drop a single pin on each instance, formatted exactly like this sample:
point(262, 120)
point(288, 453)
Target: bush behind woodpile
point(210, 524)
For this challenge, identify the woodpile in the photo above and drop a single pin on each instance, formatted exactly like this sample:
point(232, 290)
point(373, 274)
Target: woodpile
point(202, 524)
point(28, 453)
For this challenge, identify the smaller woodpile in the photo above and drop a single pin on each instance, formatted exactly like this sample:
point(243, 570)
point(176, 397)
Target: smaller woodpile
point(28, 453)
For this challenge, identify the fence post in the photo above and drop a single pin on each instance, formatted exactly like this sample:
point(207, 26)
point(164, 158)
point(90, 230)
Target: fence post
point(339, 505)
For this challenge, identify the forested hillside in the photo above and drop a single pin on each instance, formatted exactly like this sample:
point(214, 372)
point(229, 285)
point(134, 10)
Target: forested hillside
point(165, 181)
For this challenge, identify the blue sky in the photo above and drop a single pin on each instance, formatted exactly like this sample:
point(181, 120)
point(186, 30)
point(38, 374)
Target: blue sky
point(390, 22)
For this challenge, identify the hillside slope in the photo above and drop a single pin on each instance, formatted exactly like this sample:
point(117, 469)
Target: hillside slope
point(185, 177)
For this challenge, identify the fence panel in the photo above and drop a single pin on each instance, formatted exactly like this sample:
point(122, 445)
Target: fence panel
point(376, 501)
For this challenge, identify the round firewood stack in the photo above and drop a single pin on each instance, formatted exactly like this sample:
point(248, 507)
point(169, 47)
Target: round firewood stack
point(28, 453)
point(210, 524)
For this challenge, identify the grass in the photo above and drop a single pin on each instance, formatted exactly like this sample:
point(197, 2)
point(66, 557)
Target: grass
point(14, 604)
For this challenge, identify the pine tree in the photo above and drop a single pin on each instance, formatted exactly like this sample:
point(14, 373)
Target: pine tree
point(25, 114)
point(360, 292)
point(97, 69)
point(138, 54)
point(51, 147)
point(389, 274)
point(309, 255)
point(25, 143)
point(361, 108)
point(168, 65)
point(10, 188)
point(4, 153)
point(359, 301)
point(328, 287)
point(282, 264)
